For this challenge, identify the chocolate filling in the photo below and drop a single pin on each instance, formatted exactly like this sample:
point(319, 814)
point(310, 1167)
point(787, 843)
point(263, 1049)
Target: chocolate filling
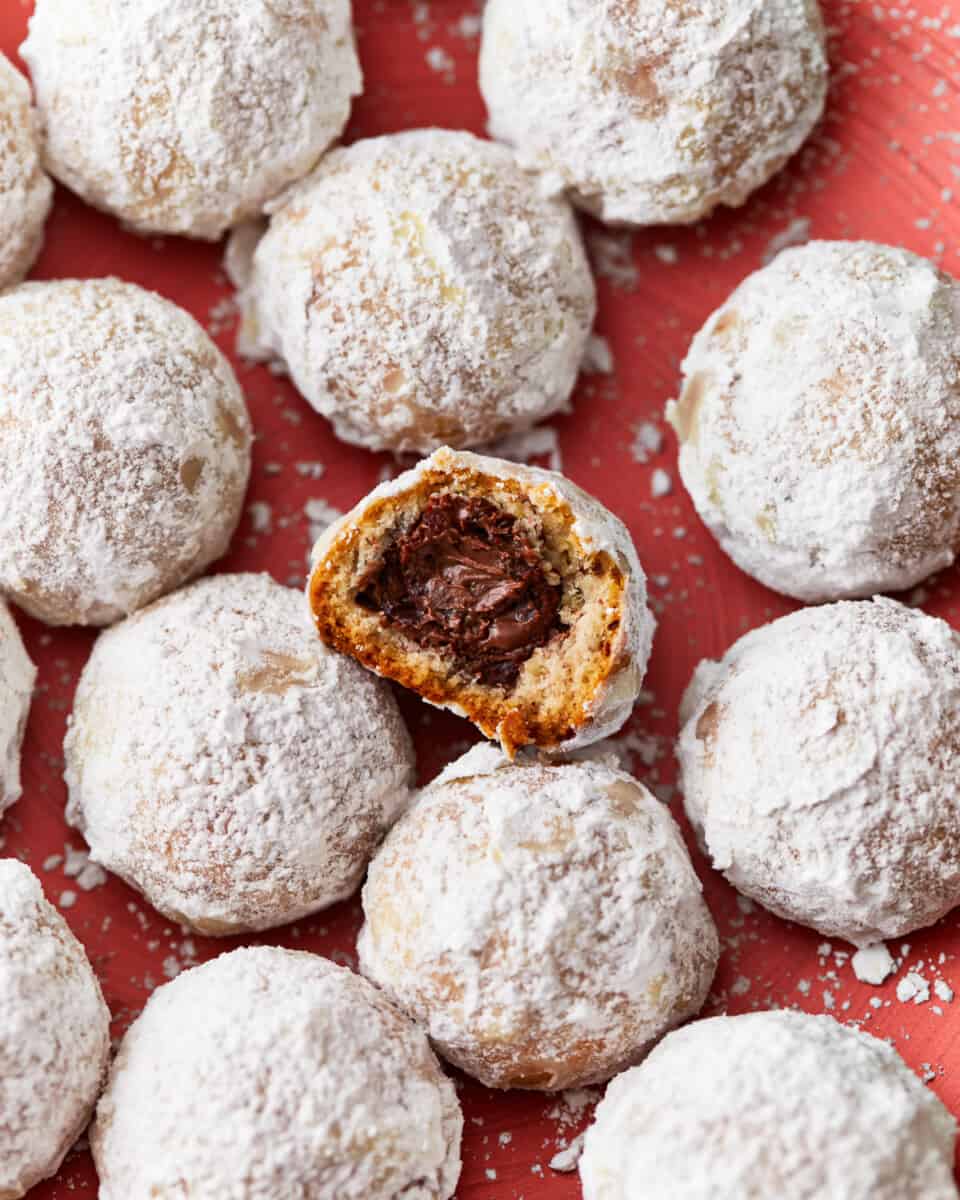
point(465, 580)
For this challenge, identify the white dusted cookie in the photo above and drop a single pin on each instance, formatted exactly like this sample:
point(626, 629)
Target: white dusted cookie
point(17, 677)
point(654, 113)
point(25, 191)
point(124, 449)
point(819, 421)
point(269, 1073)
point(770, 1104)
point(226, 764)
point(187, 116)
point(504, 593)
point(540, 919)
point(54, 1034)
point(819, 760)
point(421, 291)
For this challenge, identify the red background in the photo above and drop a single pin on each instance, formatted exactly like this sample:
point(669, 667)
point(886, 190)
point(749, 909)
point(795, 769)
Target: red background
point(882, 166)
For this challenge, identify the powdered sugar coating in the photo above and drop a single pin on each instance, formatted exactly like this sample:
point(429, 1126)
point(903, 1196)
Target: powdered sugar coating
point(769, 1104)
point(653, 113)
point(541, 920)
point(269, 1073)
point(223, 761)
point(597, 530)
point(421, 291)
point(853, 824)
point(54, 1034)
point(25, 191)
point(17, 677)
point(124, 449)
point(187, 116)
point(819, 422)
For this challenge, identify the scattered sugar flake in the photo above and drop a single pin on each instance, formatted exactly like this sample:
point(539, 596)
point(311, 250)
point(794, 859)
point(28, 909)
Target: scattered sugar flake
point(872, 964)
point(469, 25)
point(943, 991)
point(567, 1159)
point(261, 516)
point(824, 950)
point(828, 1000)
point(67, 899)
point(795, 234)
point(310, 470)
point(505, 1138)
point(660, 484)
point(52, 862)
point(171, 967)
point(598, 359)
point(77, 865)
point(612, 254)
point(876, 1002)
point(442, 62)
point(913, 987)
point(666, 254)
point(648, 747)
point(572, 1104)
point(530, 444)
point(647, 441)
point(490, 1173)
point(320, 515)
point(803, 987)
point(741, 985)
point(221, 315)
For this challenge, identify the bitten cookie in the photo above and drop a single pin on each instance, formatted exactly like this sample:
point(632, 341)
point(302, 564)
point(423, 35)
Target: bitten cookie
point(421, 291)
point(770, 1104)
point(504, 593)
point(26, 193)
point(187, 116)
point(124, 449)
point(17, 677)
point(819, 421)
point(819, 761)
point(269, 1073)
point(228, 765)
point(541, 920)
point(654, 113)
point(54, 1034)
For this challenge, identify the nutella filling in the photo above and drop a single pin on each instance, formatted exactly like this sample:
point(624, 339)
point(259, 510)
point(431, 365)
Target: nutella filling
point(464, 579)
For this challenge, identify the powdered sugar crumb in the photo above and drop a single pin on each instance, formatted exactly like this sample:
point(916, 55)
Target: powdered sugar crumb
point(872, 964)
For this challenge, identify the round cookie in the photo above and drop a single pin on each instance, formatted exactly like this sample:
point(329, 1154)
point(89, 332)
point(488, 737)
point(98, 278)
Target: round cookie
point(26, 193)
point(769, 1104)
point(504, 593)
point(852, 825)
point(541, 920)
point(187, 116)
point(124, 449)
point(819, 421)
point(54, 1034)
point(17, 677)
point(653, 113)
point(225, 763)
point(447, 301)
point(269, 1073)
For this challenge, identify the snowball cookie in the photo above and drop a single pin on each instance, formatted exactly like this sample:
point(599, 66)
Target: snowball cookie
point(501, 592)
point(421, 291)
point(819, 760)
point(541, 921)
point(124, 449)
point(228, 765)
point(770, 1104)
point(269, 1073)
point(25, 191)
point(54, 1034)
point(17, 677)
point(819, 421)
point(187, 116)
point(654, 113)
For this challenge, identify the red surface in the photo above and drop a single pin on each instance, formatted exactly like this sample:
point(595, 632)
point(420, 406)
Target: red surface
point(881, 166)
